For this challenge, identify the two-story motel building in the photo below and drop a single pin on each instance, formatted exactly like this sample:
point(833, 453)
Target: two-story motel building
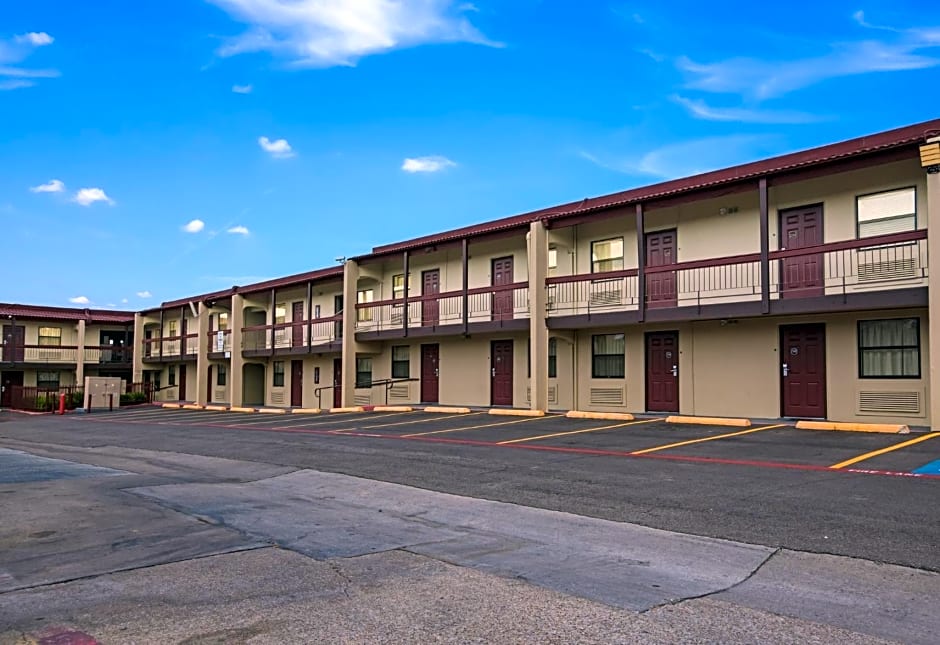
point(796, 286)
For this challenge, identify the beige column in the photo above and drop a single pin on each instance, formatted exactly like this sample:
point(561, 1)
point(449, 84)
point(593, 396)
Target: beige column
point(350, 289)
point(538, 329)
point(933, 291)
point(137, 356)
point(80, 358)
point(237, 321)
point(202, 357)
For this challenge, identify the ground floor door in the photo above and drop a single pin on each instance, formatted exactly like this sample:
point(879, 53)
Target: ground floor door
point(430, 373)
point(803, 369)
point(662, 371)
point(501, 372)
point(337, 382)
point(182, 382)
point(296, 383)
point(7, 381)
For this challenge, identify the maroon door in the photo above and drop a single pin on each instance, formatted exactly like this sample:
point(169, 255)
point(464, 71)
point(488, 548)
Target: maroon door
point(8, 381)
point(661, 252)
point(803, 365)
point(14, 337)
point(430, 286)
point(337, 382)
point(182, 382)
point(430, 373)
point(502, 277)
point(662, 371)
point(501, 372)
point(209, 384)
point(148, 336)
point(296, 383)
point(297, 316)
point(801, 276)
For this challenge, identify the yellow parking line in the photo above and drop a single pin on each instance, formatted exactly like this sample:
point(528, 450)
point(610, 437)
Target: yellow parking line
point(703, 439)
point(875, 453)
point(485, 425)
point(563, 434)
point(405, 423)
point(335, 419)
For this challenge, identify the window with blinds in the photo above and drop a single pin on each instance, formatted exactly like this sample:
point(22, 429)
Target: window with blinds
point(892, 211)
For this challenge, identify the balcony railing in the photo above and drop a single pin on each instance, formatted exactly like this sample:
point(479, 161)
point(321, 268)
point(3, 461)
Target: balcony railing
point(220, 341)
point(171, 346)
point(109, 355)
point(879, 263)
point(484, 304)
point(293, 335)
point(13, 353)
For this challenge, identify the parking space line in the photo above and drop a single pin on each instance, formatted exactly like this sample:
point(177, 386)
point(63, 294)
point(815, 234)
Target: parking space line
point(563, 434)
point(875, 453)
point(485, 425)
point(424, 419)
point(704, 439)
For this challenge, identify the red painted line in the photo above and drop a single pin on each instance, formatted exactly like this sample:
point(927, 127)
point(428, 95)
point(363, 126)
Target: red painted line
point(596, 452)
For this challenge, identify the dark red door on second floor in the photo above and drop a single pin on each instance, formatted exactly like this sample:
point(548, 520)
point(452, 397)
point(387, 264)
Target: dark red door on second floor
point(502, 277)
point(297, 316)
point(801, 276)
point(14, 337)
point(661, 252)
point(430, 286)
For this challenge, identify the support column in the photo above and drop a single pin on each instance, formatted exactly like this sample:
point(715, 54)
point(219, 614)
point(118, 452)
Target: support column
point(538, 328)
point(933, 290)
point(202, 356)
point(237, 365)
point(640, 263)
point(764, 246)
point(404, 316)
point(350, 289)
point(465, 277)
point(80, 359)
point(137, 351)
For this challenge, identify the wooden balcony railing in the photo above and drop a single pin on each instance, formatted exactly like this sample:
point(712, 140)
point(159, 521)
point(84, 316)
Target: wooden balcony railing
point(171, 346)
point(109, 355)
point(483, 304)
point(13, 353)
point(293, 335)
point(220, 341)
point(879, 263)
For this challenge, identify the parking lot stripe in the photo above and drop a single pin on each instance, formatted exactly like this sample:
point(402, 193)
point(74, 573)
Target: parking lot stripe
point(704, 439)
point(405, 423)
point(485, 425)
point(563, 434)
point(875, 453)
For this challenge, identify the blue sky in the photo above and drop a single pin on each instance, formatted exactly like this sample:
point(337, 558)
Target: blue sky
point(156, 150)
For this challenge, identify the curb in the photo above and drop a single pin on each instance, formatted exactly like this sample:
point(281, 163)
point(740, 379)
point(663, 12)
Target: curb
point(447, 410)
point(241, 409)
point(515, 412)
point(607, 416)
point(393, 408)
point(216, 408)
point(887, 428)
point(272, 410)
point(356, 408)
point(711, 421)
point(174, 406)
point(306, 411)
point(193, 406)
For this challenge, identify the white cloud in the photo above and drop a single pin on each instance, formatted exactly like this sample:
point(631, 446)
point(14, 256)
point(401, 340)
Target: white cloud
point(142, 294)
point(700, 110)
point(79, 300)
point(34, 38)
point(194, 226)
point(899, 50)
point(88, 196)
point(238, 230)
point(242, 89)
point(13, 52)
point(279, 149)
point(324, 33)
point(52, 186)
point(433, 163)
point(124, 301)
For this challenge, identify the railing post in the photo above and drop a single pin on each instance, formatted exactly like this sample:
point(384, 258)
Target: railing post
point(309, 315)
point(404, 317)
point(465, 273)
point(273, 317)
point(640, 265)
point(764, 246)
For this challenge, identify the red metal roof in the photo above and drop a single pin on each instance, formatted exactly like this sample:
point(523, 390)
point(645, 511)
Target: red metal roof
point(38, 312)
point(906, 136)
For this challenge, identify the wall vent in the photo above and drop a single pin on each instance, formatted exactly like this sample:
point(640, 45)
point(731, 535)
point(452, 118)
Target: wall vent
point(219, 395)
point(552, 394)
point(890, 403)
point(887, 270)
point(277, 398)
point(399, 391)
point(607, 395)
point(364, 399)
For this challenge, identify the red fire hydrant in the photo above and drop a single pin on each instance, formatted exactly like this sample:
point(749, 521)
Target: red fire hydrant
point(62, 403)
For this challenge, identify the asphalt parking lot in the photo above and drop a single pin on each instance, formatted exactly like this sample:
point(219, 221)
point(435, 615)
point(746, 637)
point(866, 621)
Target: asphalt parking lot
point(769, 445)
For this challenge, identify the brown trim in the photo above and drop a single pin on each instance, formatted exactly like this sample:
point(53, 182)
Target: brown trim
point(514, 324)
point(878, 240)
point(703, 264)
point(442, 296)
point(593, 277)
point(764, 245)
point(407, 283)
point(465, 276)
point(309, 312)
point(641, 261)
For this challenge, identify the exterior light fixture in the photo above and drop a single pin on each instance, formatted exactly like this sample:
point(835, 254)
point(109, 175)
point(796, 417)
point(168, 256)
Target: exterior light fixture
point(930, 157)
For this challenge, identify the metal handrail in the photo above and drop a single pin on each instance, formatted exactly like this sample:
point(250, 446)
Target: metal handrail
point(387, 382)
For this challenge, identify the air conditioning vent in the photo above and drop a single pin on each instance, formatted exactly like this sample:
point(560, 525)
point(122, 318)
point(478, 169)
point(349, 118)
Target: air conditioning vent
point(552, 394)
point(887, 270)
point(277, 398)
point(890, 403)
point(399, 391)
point(364, 399)
point(219, 395)
point(607, 395)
